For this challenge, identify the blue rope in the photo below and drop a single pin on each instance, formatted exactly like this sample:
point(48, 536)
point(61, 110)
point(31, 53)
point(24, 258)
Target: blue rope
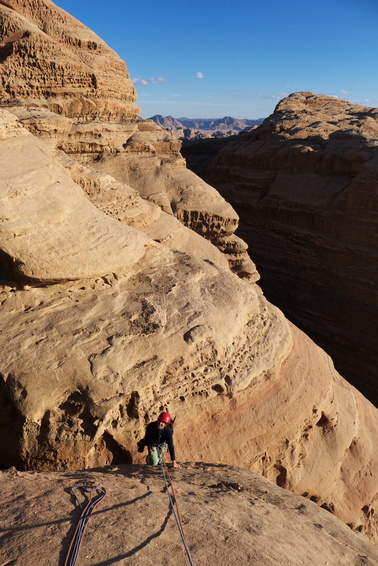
point(73, 550)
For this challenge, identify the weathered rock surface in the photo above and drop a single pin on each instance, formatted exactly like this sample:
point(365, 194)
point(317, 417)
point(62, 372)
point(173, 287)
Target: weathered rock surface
point(102, 326)
point(305, 186)
point(123, 203)
point(152, 164)
point(76, 73)
point(67, 86)
point(229, 515)
point(85, 363)
point(49, 230)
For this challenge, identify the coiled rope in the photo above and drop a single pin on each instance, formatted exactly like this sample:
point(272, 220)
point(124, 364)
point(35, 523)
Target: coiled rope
point(94, 497)
point(96, 494)
point(174, 505)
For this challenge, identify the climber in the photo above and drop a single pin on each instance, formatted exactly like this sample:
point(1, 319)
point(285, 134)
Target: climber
point(158, 435)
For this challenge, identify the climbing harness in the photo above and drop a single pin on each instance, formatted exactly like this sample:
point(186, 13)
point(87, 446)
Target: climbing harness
point(94, 497)
point(174, 505)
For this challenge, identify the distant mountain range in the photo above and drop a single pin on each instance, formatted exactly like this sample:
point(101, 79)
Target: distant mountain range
point(196, 128)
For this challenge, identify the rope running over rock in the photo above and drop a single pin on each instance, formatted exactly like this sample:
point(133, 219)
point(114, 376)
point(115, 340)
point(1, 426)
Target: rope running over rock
point(95, 496)
point(174, 505)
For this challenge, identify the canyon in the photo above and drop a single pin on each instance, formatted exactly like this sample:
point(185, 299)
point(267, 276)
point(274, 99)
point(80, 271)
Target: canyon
point(305, 186)
point(125, 291)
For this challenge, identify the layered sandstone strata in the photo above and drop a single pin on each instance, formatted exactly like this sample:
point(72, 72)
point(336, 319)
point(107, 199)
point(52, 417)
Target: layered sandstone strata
point(50, 59)
point(305, 186)
point(68, 87)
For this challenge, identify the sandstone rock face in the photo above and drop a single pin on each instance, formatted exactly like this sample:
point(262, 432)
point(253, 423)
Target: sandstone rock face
point(298, 425)
point(305, 186)
point(49, 230)
point(229, 515)
point(76, 73)
point(87, 109)
point(152, 164)
point(123, 203)
point(198, 154)
point(107, 319)
point(87, 360)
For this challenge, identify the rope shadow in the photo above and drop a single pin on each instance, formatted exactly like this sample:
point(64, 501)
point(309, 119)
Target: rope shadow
point(73, 520)
point(139, 547)
point(66, 541)
point(75, 511)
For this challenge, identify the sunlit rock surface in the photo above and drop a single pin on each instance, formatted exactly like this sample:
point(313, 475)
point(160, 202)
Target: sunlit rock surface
point(228, 515)
point(67, 86)
point(107, 317)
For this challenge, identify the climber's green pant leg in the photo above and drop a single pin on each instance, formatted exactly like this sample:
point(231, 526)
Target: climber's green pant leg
point(153, 459)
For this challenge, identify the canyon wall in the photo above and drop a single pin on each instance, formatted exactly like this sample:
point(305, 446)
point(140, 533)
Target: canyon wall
point(305, 186)
point(118, 301)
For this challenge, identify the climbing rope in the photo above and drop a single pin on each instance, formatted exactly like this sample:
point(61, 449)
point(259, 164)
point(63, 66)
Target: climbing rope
point(174, 505)
point(94, 497)
point(96, 494)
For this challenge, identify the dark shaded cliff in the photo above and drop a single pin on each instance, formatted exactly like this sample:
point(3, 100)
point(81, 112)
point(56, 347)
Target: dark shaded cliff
point(305, 185)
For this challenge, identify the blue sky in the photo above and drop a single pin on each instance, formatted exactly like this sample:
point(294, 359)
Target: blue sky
point(209, 59)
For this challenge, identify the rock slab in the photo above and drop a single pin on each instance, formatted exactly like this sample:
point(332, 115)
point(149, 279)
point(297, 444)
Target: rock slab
point(228, 515)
